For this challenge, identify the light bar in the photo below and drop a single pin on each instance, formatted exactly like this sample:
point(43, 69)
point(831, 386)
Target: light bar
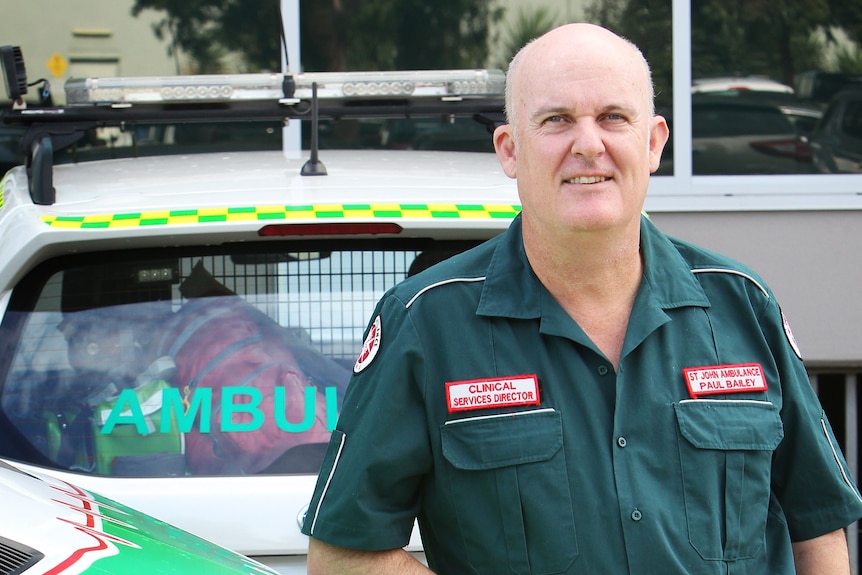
point(174, 89)
point(441, 84)
point(415, 84)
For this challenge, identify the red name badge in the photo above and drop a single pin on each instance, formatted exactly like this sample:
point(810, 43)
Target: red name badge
point(495, 392)
point(736, 378)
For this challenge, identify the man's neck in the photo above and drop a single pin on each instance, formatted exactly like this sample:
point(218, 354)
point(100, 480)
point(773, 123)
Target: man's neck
point(594, 277)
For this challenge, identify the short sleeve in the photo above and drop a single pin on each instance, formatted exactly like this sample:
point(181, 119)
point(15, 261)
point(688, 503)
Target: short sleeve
point(367, 494)
point(810, 475)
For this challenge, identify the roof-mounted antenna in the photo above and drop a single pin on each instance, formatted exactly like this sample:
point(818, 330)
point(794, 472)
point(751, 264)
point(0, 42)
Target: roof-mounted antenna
point(313, 167)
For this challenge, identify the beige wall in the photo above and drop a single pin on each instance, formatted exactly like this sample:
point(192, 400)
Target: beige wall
point(90, 36)
point(812, 260)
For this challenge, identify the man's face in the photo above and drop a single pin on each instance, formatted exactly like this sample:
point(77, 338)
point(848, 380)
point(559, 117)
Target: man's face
point(584, 141)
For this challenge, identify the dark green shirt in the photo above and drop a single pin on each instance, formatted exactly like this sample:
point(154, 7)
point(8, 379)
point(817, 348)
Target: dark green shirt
point(480, 407)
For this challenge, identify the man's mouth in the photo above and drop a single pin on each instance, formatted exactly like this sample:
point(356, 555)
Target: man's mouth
point(587, 180)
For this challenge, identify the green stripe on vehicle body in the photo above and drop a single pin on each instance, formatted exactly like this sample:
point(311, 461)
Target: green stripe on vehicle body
point(269, 213)
point(145, 546)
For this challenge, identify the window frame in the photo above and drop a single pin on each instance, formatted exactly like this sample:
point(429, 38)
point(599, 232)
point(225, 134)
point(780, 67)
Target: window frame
point(685, 192)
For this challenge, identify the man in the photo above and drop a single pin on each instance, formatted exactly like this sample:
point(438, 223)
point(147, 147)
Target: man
point(582, 394)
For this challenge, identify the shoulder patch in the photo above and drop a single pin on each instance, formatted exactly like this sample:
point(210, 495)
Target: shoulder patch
point(370, 347)
point(790, 339)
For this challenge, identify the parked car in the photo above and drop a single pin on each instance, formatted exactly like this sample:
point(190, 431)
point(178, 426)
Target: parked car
point(745, 133)
point(50, 526)
point(728, 84)
point(750, 135)
point(836, 141)
point(821, 86)
point(177, 328)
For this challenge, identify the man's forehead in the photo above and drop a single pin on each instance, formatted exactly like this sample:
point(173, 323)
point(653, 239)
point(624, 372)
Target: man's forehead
point(595, 93)
point(581, 52)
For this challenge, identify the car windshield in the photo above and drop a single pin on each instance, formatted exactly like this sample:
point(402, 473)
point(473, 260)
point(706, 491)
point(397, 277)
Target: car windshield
point(191, 362)
point(716, 120)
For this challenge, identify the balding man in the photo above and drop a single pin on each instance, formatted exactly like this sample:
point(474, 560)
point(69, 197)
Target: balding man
point(583, 394)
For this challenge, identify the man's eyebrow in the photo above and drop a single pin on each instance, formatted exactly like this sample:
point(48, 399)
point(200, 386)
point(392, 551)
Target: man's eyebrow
point(546, 111)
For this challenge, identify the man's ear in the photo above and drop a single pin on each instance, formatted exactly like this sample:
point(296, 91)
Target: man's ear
point(659, 133)
point(504, 145)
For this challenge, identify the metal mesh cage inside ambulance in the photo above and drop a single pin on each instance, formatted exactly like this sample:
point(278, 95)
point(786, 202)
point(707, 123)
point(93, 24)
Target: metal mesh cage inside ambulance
point(174, 363)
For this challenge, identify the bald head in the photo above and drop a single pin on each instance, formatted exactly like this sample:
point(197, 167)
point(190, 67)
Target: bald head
point(582, 44)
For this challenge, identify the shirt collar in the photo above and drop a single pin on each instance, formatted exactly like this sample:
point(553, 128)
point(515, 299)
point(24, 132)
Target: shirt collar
point(511, 289)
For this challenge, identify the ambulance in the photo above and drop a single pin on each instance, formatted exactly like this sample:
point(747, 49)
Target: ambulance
point(183, 298)
point(52, 527)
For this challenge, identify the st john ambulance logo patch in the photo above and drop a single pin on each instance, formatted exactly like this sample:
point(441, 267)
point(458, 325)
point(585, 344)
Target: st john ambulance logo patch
point(790, 339)
point(736, 378)
point(370, 347)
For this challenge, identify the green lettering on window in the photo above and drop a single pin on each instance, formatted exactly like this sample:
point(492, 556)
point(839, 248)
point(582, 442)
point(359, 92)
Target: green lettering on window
point(331, 408)
point(308, 415)
point(229, 409)
point(127, 409)
point(172, 402)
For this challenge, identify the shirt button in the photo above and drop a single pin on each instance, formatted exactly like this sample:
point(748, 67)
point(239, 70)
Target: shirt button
point(621, 441)
point(603, 370)
point(637, 515)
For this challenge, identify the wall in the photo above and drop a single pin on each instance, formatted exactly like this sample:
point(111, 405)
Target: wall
point(811, 259)
point(47, 31)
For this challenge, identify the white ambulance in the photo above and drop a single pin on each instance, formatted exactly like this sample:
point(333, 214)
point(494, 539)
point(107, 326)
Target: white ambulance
point(52, 527)
point(177, 326)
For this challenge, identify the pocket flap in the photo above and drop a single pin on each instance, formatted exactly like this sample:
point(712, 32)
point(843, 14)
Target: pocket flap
point(730, 425)
point(501, 440)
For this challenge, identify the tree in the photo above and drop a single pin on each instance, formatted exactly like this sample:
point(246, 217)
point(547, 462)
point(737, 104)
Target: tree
point(647, 23)
point(773, 38)
point(336, 35)
point(208, 30)
point(395, 34)
point(527, 25)
point(756, 37)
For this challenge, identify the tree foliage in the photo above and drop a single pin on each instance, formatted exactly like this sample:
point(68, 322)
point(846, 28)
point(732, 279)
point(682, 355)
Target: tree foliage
point(526, 25)
point(208, 30)
point(647, 23)
point(773, 38)
point(395, 34)
point(765, 37)
point(336, 35)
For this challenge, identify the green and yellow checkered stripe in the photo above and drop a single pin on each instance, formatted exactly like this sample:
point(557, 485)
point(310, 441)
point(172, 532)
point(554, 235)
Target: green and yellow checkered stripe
point(290, 213)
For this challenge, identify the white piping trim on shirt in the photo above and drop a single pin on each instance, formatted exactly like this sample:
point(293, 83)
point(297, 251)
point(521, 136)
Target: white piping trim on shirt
point(838, 460)
point(728, 401)
point(734, 272)
point(328, 481)
point(441, 283)
point(499, 415)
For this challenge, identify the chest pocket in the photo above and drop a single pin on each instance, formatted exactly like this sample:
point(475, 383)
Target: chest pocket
point(726, 456)
point(511, 492)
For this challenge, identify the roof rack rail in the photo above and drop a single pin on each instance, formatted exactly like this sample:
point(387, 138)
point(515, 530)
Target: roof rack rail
point(124, 102)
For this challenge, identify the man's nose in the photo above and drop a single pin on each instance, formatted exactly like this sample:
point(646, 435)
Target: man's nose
point(587, 139)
